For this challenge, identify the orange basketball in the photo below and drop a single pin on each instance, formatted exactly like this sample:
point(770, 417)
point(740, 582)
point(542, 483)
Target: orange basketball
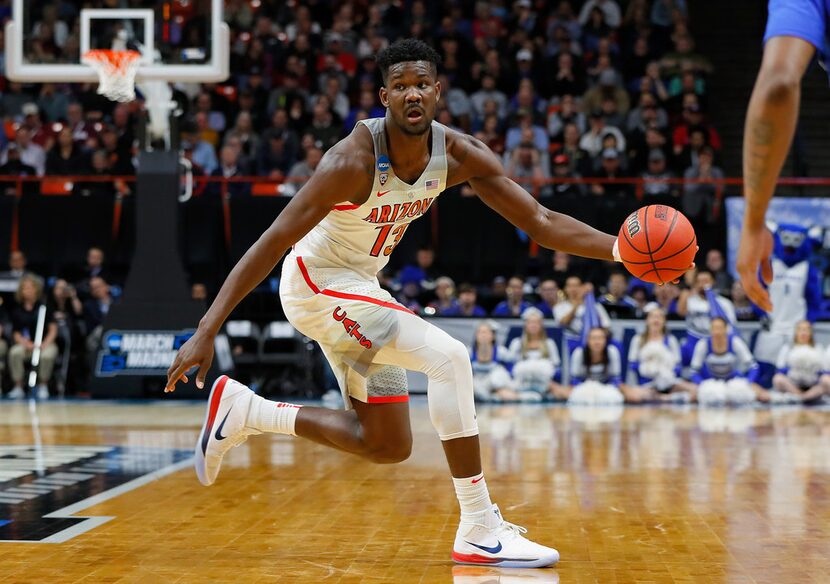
point(657, 244)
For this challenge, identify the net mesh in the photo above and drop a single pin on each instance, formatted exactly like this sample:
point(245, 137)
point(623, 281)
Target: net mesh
point(116, 72)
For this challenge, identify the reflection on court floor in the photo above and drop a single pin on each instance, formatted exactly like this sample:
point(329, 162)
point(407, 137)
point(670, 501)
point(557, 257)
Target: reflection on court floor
point(626, 495)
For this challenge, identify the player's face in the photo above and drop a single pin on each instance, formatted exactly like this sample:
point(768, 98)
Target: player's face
point(410, 95)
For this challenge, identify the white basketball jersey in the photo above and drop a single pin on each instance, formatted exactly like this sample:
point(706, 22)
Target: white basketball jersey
point(361, 237)
point(787, 295)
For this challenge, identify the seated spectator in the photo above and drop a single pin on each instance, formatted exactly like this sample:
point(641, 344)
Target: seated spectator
point(566, 195)
point(684, 54)
point(246, 134)
point(801, 367)
point(744, 308)
point(17, 267)
point(724, 369)
point(229, 168)
point(67, 310)
point(275, 157)
point(693, 304)
point(568, 312)
point(14, 166)
point(423, 271)
point(203, 154)
point(564, 17)
point(301, 171)
point(654, 358)
point(488, 92)
point(693, 118)
point(526, 131)
point(591, 141)
point(29, 153)
point(491, 134)
point(717, 265)
point(515, 304)
point(640, 149)
point(611, 13)
point(549, 295)
point(566, 113)
point(42, 134)
point(579, 160)
point(535, 360)
point(325, 127)
point(656, 190)
point(616, 300)
point(568, 79)
point(95, 311)
point(665, 297)
point(526, 103)
point(607, 88)
point(559, 270)
point(596, 371)
point(410, 291)
point(701, 199)
point(646, 113)
point(466, 305)
point(367, 105)
point(66, 157)
point(528, 167)
point(24, 327)
point(93, 268)
point(689, 155)
point(445, 300)
point(100, 168)
point(491, 381)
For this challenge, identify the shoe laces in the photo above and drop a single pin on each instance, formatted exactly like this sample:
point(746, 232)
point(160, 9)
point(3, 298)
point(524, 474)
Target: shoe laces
point(242, 437)
point(511, 529)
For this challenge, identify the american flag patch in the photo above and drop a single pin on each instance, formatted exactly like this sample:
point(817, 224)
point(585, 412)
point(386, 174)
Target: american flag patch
point(432, 184)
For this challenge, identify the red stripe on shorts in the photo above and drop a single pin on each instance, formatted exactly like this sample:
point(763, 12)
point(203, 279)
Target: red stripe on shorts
point(386, 399)
point(345, 296)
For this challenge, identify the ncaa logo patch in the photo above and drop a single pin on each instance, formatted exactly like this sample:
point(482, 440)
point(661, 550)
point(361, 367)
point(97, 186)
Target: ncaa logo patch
point(383, 166)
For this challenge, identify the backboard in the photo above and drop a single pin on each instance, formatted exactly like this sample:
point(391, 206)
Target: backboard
point(181, 40)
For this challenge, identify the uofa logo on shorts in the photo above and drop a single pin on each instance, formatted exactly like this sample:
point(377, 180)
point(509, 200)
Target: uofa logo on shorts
point(352, 327)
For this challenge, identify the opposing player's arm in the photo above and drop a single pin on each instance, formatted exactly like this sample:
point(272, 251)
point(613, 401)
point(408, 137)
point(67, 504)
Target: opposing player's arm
point(343, 174)
point(770, 125)
point(471, 161)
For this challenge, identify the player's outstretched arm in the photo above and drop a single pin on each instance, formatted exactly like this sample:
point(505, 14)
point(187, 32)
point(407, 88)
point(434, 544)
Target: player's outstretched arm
point(471, 161)
point(343, 174)
point(770, 125)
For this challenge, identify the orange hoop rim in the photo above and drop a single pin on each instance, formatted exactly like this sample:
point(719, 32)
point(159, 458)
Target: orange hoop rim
point(118, 60)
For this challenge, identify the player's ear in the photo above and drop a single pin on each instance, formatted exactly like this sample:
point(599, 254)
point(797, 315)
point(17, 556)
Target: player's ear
point(437, 91)
point(384, 96)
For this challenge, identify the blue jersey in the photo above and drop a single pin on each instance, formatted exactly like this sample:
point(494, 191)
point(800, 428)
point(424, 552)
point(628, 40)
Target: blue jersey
point(805, 19)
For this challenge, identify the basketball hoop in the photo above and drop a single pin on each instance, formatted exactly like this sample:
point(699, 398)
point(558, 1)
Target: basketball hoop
point(116, 72)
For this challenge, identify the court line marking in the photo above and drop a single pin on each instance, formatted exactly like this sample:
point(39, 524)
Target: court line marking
point(93, 522)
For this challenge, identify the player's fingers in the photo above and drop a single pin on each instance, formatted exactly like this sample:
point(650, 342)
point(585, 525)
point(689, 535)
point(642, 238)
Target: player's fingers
point(204, 367)
point(757, 294)
point(176, 375)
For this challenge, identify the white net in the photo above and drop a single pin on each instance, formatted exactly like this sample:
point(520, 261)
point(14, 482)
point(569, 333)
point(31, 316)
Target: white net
point(116, 72)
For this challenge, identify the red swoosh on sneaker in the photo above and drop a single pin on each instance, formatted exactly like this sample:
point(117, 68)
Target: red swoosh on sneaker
point(381, 193)
point(478, 479)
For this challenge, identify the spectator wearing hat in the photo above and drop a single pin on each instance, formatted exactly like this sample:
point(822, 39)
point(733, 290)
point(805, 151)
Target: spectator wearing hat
point(514, 304)
point(655, 190)
point(41, 133)
point(565, 192)
point(30, 154)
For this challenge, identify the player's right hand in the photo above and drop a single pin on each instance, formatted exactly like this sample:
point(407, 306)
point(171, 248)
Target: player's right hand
point(754, 253)
point(197, 351)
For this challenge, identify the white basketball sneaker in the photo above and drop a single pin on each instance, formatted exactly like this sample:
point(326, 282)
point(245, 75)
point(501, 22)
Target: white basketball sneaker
point(224, 427)
point(490, 540)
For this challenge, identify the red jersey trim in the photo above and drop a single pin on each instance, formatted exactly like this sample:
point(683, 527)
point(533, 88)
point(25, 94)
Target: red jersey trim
point(345, 296)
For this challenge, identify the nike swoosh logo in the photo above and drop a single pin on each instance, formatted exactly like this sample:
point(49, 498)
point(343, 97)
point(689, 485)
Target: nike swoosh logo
point(218, 434)
point(489, 550)
point(381, 193)
point(478, 479)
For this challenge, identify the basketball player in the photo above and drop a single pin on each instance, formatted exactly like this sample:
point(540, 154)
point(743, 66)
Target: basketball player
point(343, 225)
point(796, 29)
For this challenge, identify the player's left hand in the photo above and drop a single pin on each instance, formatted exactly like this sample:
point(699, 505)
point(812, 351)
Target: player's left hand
point(197, 351)
point(755, 251)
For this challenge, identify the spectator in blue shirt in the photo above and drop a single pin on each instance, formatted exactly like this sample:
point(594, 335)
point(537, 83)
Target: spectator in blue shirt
point(515, 304)
point(549, 293)
point(466, 304)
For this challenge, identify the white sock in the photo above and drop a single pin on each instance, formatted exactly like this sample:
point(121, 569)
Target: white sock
point(272, 416)
point(473, 495)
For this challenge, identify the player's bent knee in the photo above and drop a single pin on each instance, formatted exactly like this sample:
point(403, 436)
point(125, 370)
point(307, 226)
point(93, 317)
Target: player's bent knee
point(391, 451)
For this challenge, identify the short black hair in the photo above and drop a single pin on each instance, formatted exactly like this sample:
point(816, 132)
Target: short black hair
point(405, 50)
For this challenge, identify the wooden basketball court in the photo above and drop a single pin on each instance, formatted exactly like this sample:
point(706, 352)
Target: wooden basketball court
point(635, 495)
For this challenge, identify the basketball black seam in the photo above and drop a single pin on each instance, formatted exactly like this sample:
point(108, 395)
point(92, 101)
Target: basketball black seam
point(648, 244)
point(668, 257)
point(658, 270)
point(668, 233)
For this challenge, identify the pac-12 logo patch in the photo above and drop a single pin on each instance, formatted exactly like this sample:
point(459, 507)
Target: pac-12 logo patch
point(383, 165)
